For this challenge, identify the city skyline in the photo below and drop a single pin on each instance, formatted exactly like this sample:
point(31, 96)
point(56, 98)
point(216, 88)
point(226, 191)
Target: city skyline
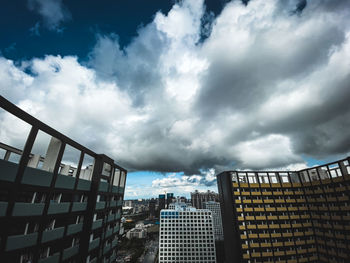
point(178, 91)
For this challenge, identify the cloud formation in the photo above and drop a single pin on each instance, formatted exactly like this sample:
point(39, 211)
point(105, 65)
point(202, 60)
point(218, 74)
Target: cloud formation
point(266, 87)
point(53, 13)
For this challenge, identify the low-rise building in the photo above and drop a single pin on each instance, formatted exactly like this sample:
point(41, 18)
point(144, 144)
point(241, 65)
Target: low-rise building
point(136, 233)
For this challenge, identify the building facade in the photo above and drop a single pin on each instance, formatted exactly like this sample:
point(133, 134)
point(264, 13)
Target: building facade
point(199, 198)
point(215, 209)
point(52, 210)
point(169, 199)
point(283, 216)
point(186, 235)
point(136, 233)
point(152, 208)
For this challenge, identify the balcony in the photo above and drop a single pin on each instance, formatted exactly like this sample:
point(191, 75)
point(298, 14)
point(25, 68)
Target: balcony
point(53, 234)
point(70, 252)
point(116, 229)
point(260, 217)
point(264, 235)
point(106, 249)
point(115, 189)
point(21, 241)
point(8, 171)
point(74, 228)
point(64, 181)
point(51, 259)
point(58, 208)
point(103, 187)
point(108, 233)
point(3, 208)
point(28, 209)
point(84, 185)
point(97, 224)
point(94, 244)
point(277, 244)
point(113, 204)
point(275, 234)
point(79, 206)
point(110, 218)
point(100, 205)
point(264, 244)
point(36, 177)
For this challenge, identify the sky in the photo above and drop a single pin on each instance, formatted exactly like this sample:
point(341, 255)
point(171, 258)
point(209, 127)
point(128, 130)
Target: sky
point(178, 91)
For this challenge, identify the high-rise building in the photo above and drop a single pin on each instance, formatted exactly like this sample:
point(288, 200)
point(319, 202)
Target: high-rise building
point(152, 208)
point(161, 201)
point(284, 216)
point(199, 198)
point(186, 235)
point(52, 209)
point(169, 199)
point(214, 207)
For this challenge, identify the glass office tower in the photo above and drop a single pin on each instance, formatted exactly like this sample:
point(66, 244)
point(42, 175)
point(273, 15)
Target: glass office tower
point(284, 216)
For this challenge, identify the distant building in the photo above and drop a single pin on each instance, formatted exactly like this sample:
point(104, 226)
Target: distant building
point(199, 198)
point(128, 203)
point(169, 199)
point(152, 208)
point(161, 202)
point(214, 207)
point(136, 233)
point(182, 199)
point(186, 235)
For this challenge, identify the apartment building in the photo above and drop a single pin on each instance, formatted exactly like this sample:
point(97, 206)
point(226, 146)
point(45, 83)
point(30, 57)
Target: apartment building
point(53, 207)
point(199, 198)
point(284, 216)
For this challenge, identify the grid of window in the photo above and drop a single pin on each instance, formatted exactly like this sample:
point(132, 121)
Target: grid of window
point(299, 216)
point(186, 236)
point(214, 207)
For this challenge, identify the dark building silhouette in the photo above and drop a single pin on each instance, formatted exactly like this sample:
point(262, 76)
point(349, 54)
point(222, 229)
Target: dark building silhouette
point(52, 210)
point(152, 208)
point(284, 216)
point(161, 203)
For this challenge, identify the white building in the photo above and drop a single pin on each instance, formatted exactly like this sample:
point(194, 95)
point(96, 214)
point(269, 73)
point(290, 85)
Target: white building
point(214, 207)
point(136, 233)
point(186, 235)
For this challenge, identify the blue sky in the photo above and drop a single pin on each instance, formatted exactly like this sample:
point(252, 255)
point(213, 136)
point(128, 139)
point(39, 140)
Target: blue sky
point(178, 91)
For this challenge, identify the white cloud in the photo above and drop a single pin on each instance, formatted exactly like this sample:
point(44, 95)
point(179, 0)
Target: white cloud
point(183, 185)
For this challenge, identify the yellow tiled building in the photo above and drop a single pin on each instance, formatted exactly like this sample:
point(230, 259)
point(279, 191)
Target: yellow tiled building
point(283, 216)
